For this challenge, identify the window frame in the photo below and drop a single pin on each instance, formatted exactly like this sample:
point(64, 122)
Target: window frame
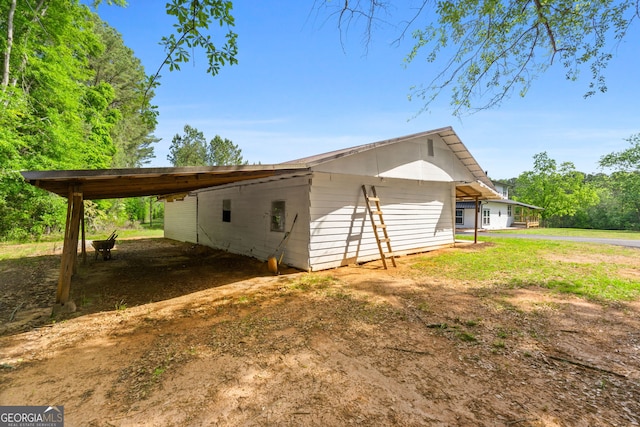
point(486, 216)
point(459, 218)
point(226, 210)
point(278, 216)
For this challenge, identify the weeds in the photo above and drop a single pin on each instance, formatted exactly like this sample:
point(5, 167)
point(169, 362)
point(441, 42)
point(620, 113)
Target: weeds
point(502, 334)
point(243, 300)
point(499, 344)
point(157, 372)
point(311, 281)
point(466, 336)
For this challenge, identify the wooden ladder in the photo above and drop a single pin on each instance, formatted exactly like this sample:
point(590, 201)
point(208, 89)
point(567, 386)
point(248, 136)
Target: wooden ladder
point(375, 210)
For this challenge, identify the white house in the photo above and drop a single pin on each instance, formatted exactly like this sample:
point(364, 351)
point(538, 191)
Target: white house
point(321, 204)
point(497, 214)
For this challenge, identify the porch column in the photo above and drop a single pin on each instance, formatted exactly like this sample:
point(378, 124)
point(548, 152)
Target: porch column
point(70, 248)
point(475, 226)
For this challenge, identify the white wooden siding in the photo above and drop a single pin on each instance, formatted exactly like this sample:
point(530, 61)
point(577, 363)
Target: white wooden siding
point(499, 218)
point(249, 232)
point(418, 216)
point(180, 220)
point(404, 160)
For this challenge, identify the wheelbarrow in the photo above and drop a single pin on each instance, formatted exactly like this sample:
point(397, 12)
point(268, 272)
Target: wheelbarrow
point(104, 246)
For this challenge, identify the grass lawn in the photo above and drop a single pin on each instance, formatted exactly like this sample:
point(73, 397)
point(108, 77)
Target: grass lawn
point(50, 244)
point(598, 272)
point(575, 232)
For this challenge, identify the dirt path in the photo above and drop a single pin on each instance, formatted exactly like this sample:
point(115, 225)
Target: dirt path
point(174, 334)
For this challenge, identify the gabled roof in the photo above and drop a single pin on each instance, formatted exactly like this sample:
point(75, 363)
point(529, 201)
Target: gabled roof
point(121, 183)
point(447, 134)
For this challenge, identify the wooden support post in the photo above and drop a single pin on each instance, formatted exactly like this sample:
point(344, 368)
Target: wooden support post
point(475, 228)
point(84, 241)
point(70, 248)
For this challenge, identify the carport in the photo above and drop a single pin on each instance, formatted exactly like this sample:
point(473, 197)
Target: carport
point(80, 185)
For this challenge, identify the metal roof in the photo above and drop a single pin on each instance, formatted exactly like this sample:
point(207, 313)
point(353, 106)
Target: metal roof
point(515, 203)
point(120, 183)
point(471, 205)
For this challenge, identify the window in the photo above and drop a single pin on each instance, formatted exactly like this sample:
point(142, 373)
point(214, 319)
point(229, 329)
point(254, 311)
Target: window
point(459, 216)
point(226, 210)
point(486, 217)
point(509, 212)
point(277, 215)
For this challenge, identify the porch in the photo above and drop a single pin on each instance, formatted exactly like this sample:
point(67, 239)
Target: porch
point(526, 217)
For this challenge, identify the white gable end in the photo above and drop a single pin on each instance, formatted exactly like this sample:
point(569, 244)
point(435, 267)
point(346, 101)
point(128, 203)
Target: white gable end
point(425, 158)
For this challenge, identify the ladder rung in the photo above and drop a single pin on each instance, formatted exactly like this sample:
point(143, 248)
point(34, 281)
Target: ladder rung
point(371, 199)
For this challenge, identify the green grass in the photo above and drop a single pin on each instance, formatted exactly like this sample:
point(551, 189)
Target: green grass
point(598, 272)
point(310, 281)
point(53, 244)
point(129, 234)
point(575, 232)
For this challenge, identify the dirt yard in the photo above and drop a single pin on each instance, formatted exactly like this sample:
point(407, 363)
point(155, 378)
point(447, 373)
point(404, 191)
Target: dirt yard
point(170, 334)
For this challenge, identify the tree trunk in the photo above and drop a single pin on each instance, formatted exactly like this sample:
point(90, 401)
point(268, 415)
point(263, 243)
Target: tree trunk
point(40, 9)
point(7, 53)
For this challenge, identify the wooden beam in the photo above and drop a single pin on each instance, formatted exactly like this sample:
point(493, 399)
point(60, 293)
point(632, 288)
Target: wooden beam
point(70, 248)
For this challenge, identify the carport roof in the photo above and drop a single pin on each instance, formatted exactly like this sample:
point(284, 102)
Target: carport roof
point(121, 183)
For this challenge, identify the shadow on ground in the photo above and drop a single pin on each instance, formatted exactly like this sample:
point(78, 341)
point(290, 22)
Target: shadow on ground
point(140, 271)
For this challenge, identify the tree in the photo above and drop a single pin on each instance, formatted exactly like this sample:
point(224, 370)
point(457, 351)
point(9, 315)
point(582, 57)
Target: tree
point(116, 65)
point(189, 149)
point(194, 28)
point(489, 49)
point(49, 117)
point(72, 96)
point(625, 180)
point(224, 152)
point(560, 191)
point(192, 149)
point(66, 102)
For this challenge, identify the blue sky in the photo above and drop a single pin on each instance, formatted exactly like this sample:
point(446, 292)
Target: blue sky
point(299, 91)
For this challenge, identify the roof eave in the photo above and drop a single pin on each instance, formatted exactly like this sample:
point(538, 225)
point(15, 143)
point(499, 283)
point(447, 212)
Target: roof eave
point(121, 183)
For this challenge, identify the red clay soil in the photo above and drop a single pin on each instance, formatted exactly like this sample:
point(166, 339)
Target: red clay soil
point(174, 334)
